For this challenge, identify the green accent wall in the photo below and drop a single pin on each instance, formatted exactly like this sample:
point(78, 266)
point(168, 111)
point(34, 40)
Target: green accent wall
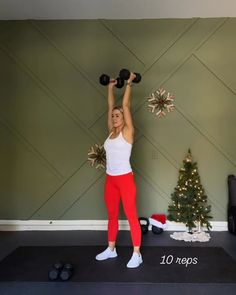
point(52, 109)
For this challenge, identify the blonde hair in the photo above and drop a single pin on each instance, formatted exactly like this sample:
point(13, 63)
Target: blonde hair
point(119, 108)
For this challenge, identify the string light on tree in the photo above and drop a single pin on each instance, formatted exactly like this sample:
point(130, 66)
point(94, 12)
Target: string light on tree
point(192, 210)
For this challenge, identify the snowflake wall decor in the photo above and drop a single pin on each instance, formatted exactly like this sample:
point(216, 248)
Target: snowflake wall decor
point(160, 102)
point(97, 156)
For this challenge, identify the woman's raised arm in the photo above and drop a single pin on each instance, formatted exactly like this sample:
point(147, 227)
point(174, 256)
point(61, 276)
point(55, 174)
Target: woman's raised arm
point(111, 102)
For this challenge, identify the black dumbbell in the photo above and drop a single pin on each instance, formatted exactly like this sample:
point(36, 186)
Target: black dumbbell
point(105, 80)
point(55, 271)
point(144, 226)
point(67, 272)
point(125, 74)
point(157, 230)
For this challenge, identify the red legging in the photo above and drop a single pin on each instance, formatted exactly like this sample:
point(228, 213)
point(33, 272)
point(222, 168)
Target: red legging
point(122, 187)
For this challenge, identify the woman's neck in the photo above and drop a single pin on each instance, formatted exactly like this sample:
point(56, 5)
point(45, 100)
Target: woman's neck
point(118, 129)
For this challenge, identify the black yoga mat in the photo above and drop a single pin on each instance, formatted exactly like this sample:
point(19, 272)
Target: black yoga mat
point(160, 265)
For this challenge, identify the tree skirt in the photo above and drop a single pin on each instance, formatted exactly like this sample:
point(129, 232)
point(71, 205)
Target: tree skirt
point(194, 237)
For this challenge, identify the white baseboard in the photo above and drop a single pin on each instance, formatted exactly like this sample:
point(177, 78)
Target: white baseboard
point(43, 225)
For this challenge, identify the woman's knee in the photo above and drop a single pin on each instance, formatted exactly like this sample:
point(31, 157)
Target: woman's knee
point(112, 216)
point(131, 215)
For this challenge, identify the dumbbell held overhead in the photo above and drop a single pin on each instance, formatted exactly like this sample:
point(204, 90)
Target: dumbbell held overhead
point(105, 80)
point(125, 74)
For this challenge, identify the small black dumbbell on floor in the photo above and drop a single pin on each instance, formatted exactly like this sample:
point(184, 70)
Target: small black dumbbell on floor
point(125, 74)
point(55, 271)
point(105, 80)
point(67, 272)
point(144, 223)
point(156, 230)
point(158, 223)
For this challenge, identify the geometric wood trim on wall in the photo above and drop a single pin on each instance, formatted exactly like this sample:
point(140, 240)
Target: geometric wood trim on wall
point(52, 109)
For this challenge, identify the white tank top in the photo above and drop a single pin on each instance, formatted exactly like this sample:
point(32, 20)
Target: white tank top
point(118, 152)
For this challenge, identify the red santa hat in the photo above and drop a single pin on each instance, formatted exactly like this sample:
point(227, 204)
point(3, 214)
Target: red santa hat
point(158, 220)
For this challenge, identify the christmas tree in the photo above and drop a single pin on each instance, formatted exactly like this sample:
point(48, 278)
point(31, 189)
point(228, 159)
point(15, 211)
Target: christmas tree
point(189, 202)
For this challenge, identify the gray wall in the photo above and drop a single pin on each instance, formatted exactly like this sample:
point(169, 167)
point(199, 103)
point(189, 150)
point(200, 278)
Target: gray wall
point(52, 109)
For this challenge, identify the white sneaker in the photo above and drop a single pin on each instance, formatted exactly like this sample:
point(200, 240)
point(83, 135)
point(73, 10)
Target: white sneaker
point(108, 253)
point(135, 260)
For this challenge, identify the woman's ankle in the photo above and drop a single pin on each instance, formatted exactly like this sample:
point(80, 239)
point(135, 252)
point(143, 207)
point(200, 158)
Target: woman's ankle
point(111, 245)
point(137, 250)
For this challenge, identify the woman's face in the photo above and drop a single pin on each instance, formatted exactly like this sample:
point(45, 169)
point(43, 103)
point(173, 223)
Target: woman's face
point(117, 118)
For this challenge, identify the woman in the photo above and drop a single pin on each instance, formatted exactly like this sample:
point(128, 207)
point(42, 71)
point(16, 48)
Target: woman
point(119, 182)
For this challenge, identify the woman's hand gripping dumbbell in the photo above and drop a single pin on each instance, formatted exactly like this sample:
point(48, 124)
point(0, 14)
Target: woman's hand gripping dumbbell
point(125, 75)
point(105, 80)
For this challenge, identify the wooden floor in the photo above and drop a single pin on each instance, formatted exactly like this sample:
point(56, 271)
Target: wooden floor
point(11, 240)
